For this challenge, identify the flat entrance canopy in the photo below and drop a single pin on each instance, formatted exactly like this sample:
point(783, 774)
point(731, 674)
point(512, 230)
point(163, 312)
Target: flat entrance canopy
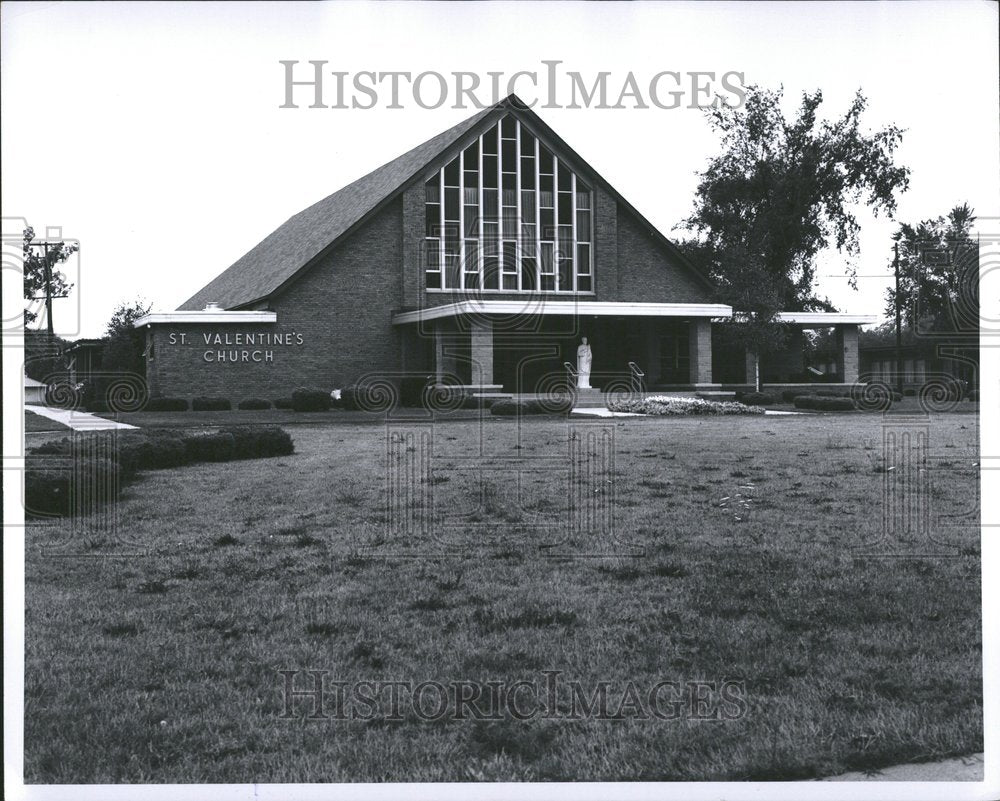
point(525, 345)
point(522, 344)
point(547, 306)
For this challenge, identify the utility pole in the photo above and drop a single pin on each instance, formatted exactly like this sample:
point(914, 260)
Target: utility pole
point(48, 290)
point(899, 323)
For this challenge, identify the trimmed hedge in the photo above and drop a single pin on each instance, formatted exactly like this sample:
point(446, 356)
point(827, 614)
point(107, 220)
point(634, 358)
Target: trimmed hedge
point(166, 405)
point(824, 403)
point(49, 488)
point(789, 395)
point(507, 407)
point(283, 403)
point(411, 390)
point(306, 399)
point(211, 405)
point(757, 399)
point(253, 404)
point(47, 481)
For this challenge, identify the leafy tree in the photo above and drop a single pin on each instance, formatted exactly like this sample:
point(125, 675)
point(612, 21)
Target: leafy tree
point(777, 195)
point(42, 281)
point(124, 346)
point(938, 274)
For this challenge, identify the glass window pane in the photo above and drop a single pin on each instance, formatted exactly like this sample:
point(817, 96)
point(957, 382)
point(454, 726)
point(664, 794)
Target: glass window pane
point(433, 280)
point(451, 204)
point(509, 182)
point(507, 126)
point(433, 190)
point(583, 283)
point(527, 173)
point(491, 273)
point(490, 142)
point(490, 171)
point(472, 221)
point(433, 219)
point(529, 270)
point(453, 265)
point(583, 259)
point(432, 254)
point(548, 265)
point(582, 198)
point(565, 178)
point(508, 151)
point(545, 162)
point(451, 173)
point(490, 205)
point(583, 226)
point(510, 282)
point(471, 196)
point(565, 208)
point(548, 283)
point(472, 155)
point(565, 274)
point(527, 141)
point(545, 184)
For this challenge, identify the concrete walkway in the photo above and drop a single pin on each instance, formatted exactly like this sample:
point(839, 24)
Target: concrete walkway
point(78, 421)
point(959, 769)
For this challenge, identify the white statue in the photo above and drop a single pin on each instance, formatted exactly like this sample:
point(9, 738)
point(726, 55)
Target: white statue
point(584, 359)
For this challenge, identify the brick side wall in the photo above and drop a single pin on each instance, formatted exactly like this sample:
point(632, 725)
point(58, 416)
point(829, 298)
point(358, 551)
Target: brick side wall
point(341, 309)
point(647, 272)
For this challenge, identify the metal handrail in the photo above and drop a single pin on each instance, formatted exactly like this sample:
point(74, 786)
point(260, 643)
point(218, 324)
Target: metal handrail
point(637, 376)
point(570, 368)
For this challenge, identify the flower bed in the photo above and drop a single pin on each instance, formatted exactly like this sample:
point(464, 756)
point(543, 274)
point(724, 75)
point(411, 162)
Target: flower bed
point(663, 406)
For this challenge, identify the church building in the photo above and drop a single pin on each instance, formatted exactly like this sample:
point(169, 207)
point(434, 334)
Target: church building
point(482, 258)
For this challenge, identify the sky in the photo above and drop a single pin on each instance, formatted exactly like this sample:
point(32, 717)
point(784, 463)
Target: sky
point(152, 133)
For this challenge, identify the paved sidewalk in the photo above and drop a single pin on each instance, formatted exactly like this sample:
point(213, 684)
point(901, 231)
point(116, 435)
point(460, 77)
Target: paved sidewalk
point(78, 421)
point(959, 769)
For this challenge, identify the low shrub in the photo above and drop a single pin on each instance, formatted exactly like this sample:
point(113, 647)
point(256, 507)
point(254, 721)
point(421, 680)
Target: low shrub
point(167, 405)
point(831, 393)
point(474, 402)
point(214, 447)
point(909, 392)
point(789, 395)
point(824, 403)
point(757, 399)
point(253, 404)
point(259, 441)
point(50, 487)
point(411, 390)
point(143, 452)
point(349, 398)
point(306, 399)
point(973, 395)
point(50, 479)
point(283, 403)
point(211, 405)
point(508, 407)
point(660, 405)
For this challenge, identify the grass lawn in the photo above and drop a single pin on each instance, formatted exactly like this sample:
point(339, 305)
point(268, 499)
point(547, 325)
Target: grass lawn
point(34, 423)
point(735, 549)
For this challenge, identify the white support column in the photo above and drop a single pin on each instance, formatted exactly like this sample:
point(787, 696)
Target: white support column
point(482, 352)
point(848, 353)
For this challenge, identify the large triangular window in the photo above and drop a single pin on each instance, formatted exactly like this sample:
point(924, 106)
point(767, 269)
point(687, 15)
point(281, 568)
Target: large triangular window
point(506, 215)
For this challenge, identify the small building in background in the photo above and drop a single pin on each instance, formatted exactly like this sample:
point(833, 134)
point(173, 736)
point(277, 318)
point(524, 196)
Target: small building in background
point(84, 358)
point(34, 391)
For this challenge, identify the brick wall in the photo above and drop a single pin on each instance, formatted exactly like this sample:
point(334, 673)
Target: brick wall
point(341, 309)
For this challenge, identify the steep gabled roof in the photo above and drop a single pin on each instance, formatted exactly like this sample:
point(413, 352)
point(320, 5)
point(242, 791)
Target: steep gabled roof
point(300, 239)
point(295, 245)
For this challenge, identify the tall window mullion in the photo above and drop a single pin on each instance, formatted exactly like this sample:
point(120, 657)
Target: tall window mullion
point(509, 217)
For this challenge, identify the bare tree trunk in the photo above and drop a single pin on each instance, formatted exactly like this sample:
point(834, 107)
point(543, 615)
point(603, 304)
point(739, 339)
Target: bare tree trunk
point(756, 370)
